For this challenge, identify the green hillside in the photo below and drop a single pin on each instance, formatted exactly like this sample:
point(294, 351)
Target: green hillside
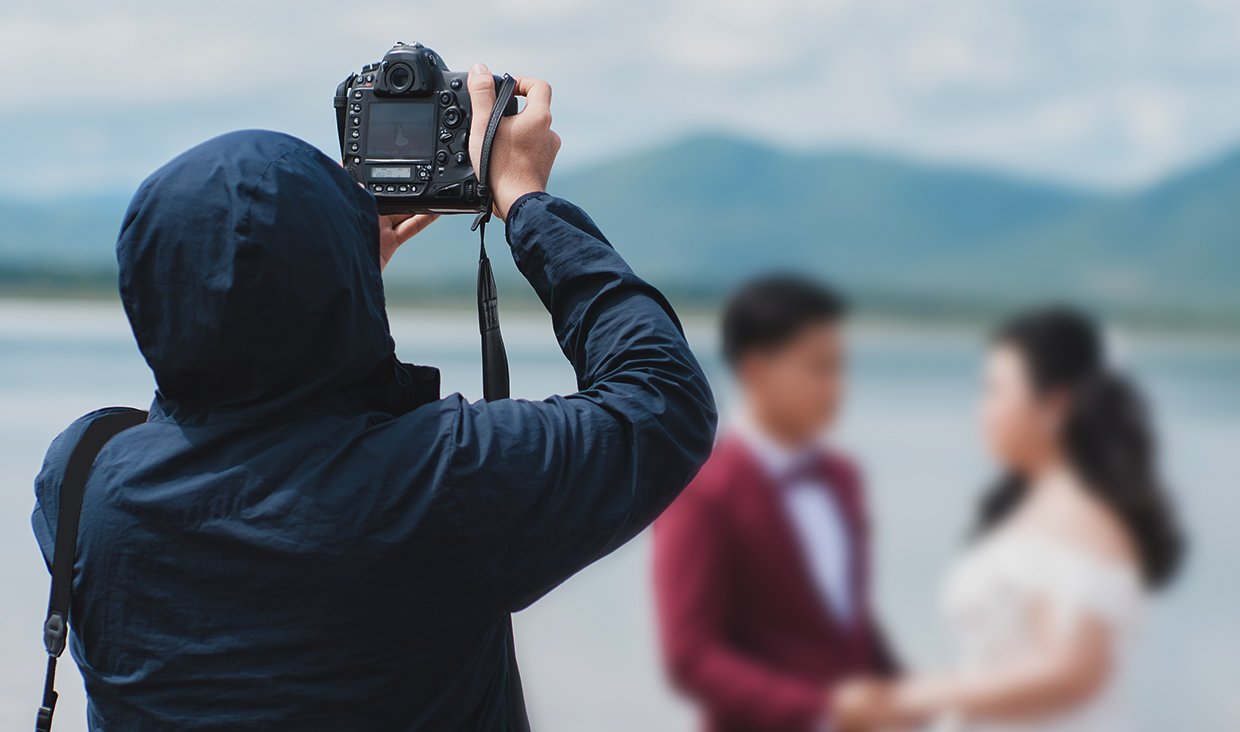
point(703, 214)
point(699, 216)
point(706, 213)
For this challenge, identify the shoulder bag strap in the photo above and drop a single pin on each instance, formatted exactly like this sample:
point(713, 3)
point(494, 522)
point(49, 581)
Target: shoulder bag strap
point(72, 489)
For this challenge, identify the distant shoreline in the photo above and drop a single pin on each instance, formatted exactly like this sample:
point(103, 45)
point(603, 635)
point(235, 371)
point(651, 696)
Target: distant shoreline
point(519, 299)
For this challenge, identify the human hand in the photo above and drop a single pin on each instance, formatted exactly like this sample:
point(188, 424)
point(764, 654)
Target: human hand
point(525, 146)
point(397, 229)
point(861, 705)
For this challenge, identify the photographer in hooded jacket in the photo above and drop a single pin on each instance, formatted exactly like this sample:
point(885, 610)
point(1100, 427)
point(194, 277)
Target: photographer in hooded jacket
point(304, 535)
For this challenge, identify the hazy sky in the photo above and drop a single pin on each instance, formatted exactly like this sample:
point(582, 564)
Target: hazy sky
point(1112, 92)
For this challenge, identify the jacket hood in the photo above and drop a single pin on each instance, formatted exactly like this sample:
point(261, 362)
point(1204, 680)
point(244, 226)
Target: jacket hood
point(249, 270)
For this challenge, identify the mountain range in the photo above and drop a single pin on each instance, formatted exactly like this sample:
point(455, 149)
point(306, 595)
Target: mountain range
point(699, 216)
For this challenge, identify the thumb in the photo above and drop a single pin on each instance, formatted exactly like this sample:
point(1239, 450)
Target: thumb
point(482, 100)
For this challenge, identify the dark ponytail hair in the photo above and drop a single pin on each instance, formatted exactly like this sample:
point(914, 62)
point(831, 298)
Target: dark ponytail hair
point(1107, 437)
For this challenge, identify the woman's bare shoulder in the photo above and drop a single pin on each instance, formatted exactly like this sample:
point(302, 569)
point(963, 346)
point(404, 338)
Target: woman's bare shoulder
point(1085, 521)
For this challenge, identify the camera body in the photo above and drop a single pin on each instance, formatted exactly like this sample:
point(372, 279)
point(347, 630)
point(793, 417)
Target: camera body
point(404, 133)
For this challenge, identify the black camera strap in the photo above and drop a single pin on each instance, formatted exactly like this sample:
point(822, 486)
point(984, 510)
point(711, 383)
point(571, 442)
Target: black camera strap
point(494, 357)
point(72, 490)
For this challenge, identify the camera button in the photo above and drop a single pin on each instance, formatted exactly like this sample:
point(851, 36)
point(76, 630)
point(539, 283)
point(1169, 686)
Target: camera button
point(446, 98)
point(353, 147)
point(376, 188)
point(445, 135)
point(391, 189)
point(403, 189)
point(455, 84)
point(355, 134)
point(357, 121)
point(441, 157)
point(461, 158)
point(357, 95)
point(452, 116)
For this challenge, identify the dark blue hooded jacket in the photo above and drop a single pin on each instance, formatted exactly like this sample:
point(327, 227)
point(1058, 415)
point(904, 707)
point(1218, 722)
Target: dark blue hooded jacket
point(304, 536)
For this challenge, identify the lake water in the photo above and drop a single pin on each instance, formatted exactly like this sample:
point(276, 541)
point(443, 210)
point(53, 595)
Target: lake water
point(588, 651)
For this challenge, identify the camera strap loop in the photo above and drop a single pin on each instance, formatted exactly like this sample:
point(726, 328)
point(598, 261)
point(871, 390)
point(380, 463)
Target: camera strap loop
point(494, 356)
point(340, 102)
point(72, 490)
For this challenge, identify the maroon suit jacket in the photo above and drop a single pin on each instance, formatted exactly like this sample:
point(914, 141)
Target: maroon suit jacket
point(745, 631)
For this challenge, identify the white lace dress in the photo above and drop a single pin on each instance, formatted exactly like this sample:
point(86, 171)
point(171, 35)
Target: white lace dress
point(990, 598)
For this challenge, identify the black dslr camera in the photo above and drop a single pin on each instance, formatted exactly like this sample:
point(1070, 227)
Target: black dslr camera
point(404, 133)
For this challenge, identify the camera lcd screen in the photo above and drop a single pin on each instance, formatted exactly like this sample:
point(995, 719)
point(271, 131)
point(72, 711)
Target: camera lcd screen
point(401, 130)
point(404, 173)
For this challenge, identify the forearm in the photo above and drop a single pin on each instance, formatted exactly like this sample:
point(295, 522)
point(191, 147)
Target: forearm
point(1019, 691)
point(625, 344)
point(587, 287)
point(1059, 672)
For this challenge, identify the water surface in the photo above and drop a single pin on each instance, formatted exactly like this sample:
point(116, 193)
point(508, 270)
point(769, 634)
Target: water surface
point(588, 651)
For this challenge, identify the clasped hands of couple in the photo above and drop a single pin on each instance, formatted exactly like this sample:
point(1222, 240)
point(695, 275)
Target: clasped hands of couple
point(870, 704)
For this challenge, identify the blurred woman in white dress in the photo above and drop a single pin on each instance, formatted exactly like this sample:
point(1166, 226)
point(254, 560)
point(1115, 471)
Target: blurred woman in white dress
point(1047, 602)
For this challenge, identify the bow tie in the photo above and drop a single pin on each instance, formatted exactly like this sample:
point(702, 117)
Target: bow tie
point(806, 468)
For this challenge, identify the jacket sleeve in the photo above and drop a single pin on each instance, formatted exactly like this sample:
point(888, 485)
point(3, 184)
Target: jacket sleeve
point(542, 489)
point(886, 662)
point(691, 557)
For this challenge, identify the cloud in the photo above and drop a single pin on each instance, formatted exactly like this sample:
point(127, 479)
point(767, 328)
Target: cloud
point(1106, 92)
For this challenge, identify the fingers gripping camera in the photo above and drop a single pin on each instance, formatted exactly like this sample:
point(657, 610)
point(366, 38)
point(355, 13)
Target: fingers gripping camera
point(404, 133)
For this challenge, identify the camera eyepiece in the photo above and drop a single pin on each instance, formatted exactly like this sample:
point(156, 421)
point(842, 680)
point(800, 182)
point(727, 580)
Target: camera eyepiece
point(399, 78)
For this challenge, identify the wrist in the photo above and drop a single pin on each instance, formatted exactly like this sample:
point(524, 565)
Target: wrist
point(517, 203)
point(915, 700)
point(505, 204)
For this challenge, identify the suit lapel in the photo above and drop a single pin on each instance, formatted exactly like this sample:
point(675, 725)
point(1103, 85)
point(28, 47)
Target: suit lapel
point(846, 494)
point(770, 518)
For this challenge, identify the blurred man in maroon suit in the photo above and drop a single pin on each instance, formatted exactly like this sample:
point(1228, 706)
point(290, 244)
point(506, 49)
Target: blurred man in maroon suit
point(762, 564)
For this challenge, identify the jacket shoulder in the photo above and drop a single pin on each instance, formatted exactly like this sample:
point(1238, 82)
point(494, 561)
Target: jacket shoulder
point(51, 474)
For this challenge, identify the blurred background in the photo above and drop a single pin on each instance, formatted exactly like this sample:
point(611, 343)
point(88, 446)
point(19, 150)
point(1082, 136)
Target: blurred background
point(943, 163)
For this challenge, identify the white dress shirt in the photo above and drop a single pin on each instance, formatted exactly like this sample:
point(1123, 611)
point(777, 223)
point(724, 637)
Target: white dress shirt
point(815, 515)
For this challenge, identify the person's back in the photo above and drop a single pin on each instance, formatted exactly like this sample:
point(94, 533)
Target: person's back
point(304, 536)
point(242, 574)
